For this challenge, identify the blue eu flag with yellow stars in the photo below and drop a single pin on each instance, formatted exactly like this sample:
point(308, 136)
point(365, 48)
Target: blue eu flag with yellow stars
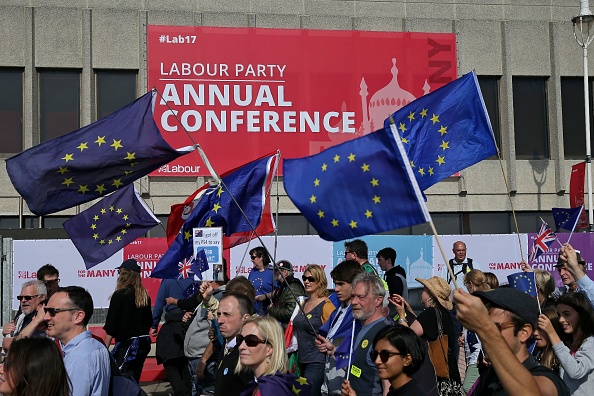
point(566, 218)
point(93, 161)
point(217, 208)
point(109, 225)
point(360, 187)
point(523, 281)
point(446, 130)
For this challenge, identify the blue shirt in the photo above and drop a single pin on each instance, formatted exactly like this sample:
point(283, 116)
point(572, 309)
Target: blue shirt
point(262, 281)
point(169, 288)
point(88, 366)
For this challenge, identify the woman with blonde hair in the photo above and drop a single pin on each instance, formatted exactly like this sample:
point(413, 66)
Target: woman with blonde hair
point(543, 350)
point(318, 308)
point(262, 350)
point(545, 285)
point(474, 280)
point(129, 320)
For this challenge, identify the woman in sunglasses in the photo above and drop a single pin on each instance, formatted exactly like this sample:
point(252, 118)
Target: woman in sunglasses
point(129, 320)
point(262, 350)
point(317, 309)
point(398, 353)
point(34, 366)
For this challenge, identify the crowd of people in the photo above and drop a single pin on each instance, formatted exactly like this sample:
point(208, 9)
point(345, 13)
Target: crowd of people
point(273, 334)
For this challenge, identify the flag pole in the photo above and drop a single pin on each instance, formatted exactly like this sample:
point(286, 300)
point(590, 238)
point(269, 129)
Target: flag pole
point(574, 224)
point(351, 349)
point(450, 270)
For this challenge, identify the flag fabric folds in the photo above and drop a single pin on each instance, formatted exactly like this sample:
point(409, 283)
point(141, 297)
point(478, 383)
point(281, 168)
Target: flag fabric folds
point(446, 130)
point(544, 238)
point(109, 225)
point(180, 213)
point(248, 185)
point(566, 218)
point(360, 187)
point(93, 161)
point(200, 264)
point(523, 281)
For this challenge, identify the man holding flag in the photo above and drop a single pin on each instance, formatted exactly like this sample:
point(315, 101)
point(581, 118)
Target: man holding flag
point(572, 269)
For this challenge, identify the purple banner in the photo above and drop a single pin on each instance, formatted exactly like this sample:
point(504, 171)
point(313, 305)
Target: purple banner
point(583, 242)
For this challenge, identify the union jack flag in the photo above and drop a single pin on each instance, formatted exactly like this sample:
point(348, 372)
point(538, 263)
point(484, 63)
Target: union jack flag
point(542, 241)
point(185, 267)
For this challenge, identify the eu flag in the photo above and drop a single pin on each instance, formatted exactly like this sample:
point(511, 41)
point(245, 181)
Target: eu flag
point(200, 264)
point(446, 130)
point(360, 187)
point(247, 185)
point(93, 161)
point(523, 281)
point(109, 225)
point(566, 218)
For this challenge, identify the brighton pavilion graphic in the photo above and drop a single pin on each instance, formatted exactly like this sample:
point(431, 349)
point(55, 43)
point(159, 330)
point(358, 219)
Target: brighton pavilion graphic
point(382, 103)
point(418, 269)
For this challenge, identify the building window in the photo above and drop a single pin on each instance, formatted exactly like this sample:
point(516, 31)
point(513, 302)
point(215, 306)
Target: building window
point(115, 89)
point(490, 89)
point(530, 118)
point(59, 103)
point(11, 110)
point(574, 125)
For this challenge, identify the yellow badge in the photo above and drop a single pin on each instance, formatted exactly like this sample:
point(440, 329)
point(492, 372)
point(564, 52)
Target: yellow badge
point(308, 316)
point(364, 344)
point(356, 371)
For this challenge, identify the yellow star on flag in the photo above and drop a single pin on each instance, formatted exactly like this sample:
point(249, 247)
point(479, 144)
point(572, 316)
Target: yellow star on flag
point(130, 156)
point(83, 189)
point(82, 146)
point(100, 140)
point(317, 182)
point(443, 130)
point(435, 119)
point(110, 242)
point(117, 183)
point(404, 140)
point(220, 191)
point(336, 158)
point(125, 217)
point(353, 224)
point(423, 113)
point(302, 380)
point(402, 127)
point(118, 238)
point(111, 208)
point(102, 242)
point(365, 167)
point(123, 231)
point(422, 171)
point(376, 199)
point(95, 236)
point(93, 226)
point(334, 223)
point(312, 199)
point(320, 214)
point(295, 390)
point(216, 207)
point(368, 213)
point(351, 157)
point(68, 182)
point(431, 171)
point(116, 144)
point(187, 235)
point(444, 145)
point(100, 188)
point(103, 211)
point(95, 217)
point(374, 182)
point(68, 157)
point(411, 116)
point(62, 170)
point(324, 167)
point(440, 160)
point(209, 222)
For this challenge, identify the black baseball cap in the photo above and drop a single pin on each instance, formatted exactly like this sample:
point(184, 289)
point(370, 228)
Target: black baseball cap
point(131, 265)
point(580, 260)
point(512, 300)
point(283, 264)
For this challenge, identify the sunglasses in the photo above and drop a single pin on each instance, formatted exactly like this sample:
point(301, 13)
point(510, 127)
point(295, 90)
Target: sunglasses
point(384, 355)
point(251, 340)
point(52, 281)
point(310, 279)
point(253, 257)
point(54, 311)
point(27, 298)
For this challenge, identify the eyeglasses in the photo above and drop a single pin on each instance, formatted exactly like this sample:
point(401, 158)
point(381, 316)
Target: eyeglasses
point(54, 311)
point(251, 340)
point(27, 298)
point(384, 355)
point(310, 279)
point(504, 325)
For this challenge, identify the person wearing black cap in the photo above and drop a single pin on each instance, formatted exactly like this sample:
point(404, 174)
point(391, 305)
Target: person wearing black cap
point(283, 299)
point(572, 269)
point(129, 320)
point(504, 320)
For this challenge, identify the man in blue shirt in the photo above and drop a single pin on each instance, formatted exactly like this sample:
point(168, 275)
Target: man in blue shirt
point(87, 360)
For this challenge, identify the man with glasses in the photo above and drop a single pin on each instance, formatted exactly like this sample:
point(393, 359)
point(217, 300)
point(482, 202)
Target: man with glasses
point(283, 299)
point(504, 320)
point(357, 250)
point(32, 294)
point(87, 360)
point(49, 275)
point(233, 310)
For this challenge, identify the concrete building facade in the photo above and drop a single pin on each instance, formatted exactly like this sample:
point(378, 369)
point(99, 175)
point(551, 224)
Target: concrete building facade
point(523, 51)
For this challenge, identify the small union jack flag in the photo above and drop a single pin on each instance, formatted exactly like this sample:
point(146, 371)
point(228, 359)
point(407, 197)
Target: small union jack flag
point(185, 267)
point(542, 241)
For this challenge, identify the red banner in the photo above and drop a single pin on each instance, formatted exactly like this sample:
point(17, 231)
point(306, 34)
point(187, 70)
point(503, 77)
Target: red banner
point(576, 192)
point(244, 92)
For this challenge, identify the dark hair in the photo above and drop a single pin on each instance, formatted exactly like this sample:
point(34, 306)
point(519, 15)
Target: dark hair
point(387, 253)
point(407, 342)
point(244, 304)
point(36, 367)
point(346, 271)
point(241, 285)
point(580, 303)
point(547, 357)
point(260, 251)
point(357, 246)
point(45, 270)
point(225, 276)
point(80, 298)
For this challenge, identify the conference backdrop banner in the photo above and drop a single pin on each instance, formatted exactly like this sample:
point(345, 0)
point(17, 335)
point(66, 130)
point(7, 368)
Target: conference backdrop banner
point(244, 92)
point(413, 253)
point(497, 253)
